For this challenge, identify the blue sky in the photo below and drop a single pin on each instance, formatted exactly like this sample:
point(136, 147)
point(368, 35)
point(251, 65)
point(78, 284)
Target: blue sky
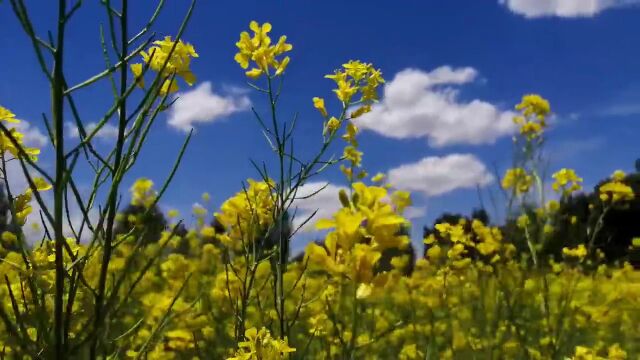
point(482, 55)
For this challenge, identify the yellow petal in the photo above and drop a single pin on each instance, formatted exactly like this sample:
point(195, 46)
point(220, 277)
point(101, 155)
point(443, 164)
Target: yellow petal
point(254, 73)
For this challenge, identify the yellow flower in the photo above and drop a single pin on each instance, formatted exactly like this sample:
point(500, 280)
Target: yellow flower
point(351, 133)
point(615, 352)
point(259, 50)
point(9, 237)
point(136, 69)
point(553, 206)
point(40, 184)
point(318, 103)
point(353, 155)
point(254, 73)
point(532, 121)
point(517, 179)
point(259, 345)
point(332, 125)
point(248, 212)
point(364, 291)
point(401, 200)
point(547, 229)
point(410, 352)
point(378, 177)
point(566, 181)
point(578, 252)
point(523, 221)
point(533, 104)
point(142, 193)
point(8, 116)
point(618, 175)
point(361, 111)
point(168, 58)
point(357, 77)
point(208, 231)
point(7, 145)
point(615, 190)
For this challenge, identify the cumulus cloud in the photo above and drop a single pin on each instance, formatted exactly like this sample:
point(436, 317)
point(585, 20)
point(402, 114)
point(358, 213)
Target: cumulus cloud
point(107, 131)
point(32, 135)
point(415, 212)
point(419, 104)
point(435, 176)
point(34, 229)
point(563, 8)
point(325, 202)
point(202, 105)
point(18, 183)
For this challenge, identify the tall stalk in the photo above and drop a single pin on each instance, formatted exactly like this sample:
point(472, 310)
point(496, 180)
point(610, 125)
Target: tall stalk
point(116, 175)
point(57, 110)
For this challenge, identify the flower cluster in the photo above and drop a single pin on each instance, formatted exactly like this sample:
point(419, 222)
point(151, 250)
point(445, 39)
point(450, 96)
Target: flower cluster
point(142, 193)
point(248, 214)
point(532, 120)
point(169, 59)
point(517, 179)
point(259, 345)
point(259, 51)
point(616, 191)
point(354, 78)
point(13, 141)
point(566, 182)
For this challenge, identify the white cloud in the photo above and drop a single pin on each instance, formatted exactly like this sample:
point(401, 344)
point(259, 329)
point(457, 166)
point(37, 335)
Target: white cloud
point(107, 131)
point(415, 212)
point(423, 104)
point(34, 230)
point(563, 8)
point(622, 110)
point(439, 175)
point(202, 105)
point(326, 202)
point(32, 135)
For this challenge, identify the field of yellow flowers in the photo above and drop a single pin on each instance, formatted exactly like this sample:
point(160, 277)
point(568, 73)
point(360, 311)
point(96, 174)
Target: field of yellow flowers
point(227, 288)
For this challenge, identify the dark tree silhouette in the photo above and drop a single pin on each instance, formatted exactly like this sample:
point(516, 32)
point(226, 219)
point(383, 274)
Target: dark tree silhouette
point(450, 218)
point(384, 263)
point(620, 224)
point(149, 224)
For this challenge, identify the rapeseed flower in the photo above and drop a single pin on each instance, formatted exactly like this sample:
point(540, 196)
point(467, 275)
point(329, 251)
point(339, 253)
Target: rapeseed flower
point(168, 58)
point(259, 51)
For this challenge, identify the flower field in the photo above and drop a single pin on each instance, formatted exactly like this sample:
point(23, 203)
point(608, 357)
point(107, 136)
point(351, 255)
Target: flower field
point(132, 281)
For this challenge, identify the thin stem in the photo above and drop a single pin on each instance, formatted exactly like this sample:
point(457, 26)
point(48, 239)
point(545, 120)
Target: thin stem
point(112, 200)
point(57, 109)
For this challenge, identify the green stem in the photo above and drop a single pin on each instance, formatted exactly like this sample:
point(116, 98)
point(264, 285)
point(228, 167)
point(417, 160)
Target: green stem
point(57, 109)
point(101, 310)
point(281, 267)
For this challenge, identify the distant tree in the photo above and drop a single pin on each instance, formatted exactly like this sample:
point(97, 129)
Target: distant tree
point(452, 218)
point(136, 219)
point(620, 224)
point(408, 254)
